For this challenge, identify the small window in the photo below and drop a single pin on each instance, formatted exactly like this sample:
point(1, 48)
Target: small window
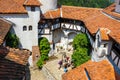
point(30, 28)
point(24, 28)
point(105, 45)
point(32, 8)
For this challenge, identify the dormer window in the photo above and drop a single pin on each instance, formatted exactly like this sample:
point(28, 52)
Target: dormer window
point(32, 8)
point(24, 28)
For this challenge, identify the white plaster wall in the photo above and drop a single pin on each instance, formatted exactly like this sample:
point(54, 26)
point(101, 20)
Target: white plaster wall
point(49, 37)
point(97, 53)
point(117, 9)
point(48, 5)
point(71, 36)
point(27, 38)
point(57, 34)
point(109, 46)
point(75, 28)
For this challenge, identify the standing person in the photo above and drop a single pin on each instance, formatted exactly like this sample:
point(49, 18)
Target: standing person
point(60, 63)
point(65, 68)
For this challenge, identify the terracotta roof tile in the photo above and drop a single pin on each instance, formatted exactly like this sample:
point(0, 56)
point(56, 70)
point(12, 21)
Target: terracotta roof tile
point(111, 11)
point(13, 63)
point(4, 28)
point(93, 18)
point(104, 34)
point(10, 70)
point(78, 13)
point(103, 21)
point(32, 3)
point(16, 6)
point(102, 70)
point(52, 14)
point(15, 55)
point(12, 6)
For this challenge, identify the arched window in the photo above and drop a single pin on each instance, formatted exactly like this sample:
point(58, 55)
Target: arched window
point(30, 28)
point(24, 28)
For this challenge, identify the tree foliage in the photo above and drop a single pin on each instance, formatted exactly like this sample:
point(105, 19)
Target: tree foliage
point(44, 46)
point(86, 3)
point(12, 40)
point(80, 56)
point(80, 41)
point(81, 49)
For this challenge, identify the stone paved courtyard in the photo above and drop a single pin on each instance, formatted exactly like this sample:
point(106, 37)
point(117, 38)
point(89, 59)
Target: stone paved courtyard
point(52, 68)
point(37, 75)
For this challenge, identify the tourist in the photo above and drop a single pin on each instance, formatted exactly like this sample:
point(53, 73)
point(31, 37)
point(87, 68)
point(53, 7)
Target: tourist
point(60, 63)
point(65, 68)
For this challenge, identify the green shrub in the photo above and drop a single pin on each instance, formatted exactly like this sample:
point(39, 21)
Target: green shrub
point(12, 40)
point(81, 49)
point(44, 46)
point(80, 56)
point(80, 41)
point(44, 57)
point(40, 63)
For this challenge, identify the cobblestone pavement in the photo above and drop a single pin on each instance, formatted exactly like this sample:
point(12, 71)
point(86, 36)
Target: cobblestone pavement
point(37, 74)
point(52, 66)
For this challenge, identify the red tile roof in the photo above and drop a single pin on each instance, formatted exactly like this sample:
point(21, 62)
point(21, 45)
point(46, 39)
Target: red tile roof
point(52, 14)
point(10, 70)
point(13, 63)
point(15, 6)
point(32, 3)
point(15, 55)
point(78, 13)
point(102, 70)
point(4, 28)
point(111, 11)
point(93, 18)
point(104, 34)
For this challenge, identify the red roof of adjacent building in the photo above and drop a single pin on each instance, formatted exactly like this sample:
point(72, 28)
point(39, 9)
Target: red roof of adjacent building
point(32, 3)
point(104, 34)
point(111, 11)
point(13, 63)
point(4, 28)
point(15, 55)
point(102, 70)
point(16, 6)
point(52, 14)
point(93, 18)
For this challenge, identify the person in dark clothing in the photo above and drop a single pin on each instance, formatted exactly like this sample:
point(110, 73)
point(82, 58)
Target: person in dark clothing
point(60, 63)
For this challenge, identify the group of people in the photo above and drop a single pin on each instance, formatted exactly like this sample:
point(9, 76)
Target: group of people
point(65, 62)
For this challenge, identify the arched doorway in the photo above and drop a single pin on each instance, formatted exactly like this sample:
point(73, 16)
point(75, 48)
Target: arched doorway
point(71, 36)
point(58, 37)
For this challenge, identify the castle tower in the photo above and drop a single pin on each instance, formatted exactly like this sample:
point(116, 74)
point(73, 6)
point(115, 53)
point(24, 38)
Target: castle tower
point(48, 5)
point(117, 9)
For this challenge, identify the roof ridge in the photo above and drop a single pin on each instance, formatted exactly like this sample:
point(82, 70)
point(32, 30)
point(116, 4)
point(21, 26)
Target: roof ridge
point(50, 15)
point(81, 7)
point(25, 2)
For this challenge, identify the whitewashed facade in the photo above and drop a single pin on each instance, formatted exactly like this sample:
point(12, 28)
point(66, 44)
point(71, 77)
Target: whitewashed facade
point(48, 5)
point(117, 9)
point(102, 48)
point(28, 38)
